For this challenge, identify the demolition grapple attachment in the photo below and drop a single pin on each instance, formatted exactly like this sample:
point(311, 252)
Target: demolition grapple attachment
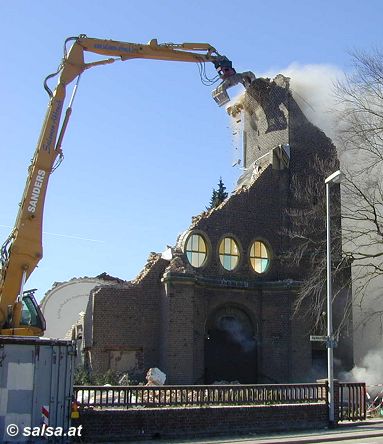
point(229, 78)
point(220, 94)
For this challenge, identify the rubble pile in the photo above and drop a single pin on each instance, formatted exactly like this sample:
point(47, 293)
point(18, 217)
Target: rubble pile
point(152, 259)
point(179, 263)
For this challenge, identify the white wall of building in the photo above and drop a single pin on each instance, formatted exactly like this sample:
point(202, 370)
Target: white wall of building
point(63, 304)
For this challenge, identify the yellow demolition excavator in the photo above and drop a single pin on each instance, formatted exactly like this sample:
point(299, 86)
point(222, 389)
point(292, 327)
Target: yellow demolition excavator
point(19, 313)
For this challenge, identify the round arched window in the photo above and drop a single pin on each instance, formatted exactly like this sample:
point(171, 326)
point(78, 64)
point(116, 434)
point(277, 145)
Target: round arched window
point(196, 250)
point(228, 253)
point(259, 257)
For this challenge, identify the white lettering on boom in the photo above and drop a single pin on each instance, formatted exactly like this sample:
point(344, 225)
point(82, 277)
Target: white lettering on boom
point(36, 190)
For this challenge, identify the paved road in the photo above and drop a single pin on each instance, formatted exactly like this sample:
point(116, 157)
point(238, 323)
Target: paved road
point(369, 432)
point(363, 441)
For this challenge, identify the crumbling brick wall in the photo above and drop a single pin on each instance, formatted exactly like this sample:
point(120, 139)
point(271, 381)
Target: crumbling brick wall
point(166, 313)
point(126, 317)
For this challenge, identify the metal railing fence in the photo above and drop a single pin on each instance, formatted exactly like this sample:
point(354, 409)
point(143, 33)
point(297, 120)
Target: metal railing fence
point(352, 401)
point(198, 395)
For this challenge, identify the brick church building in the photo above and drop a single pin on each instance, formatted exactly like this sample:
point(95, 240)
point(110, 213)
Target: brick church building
point(220, 304)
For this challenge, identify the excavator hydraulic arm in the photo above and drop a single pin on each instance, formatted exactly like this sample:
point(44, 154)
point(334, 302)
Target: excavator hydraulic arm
point(20, 254)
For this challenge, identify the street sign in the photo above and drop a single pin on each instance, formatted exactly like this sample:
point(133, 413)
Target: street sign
point(314, 338)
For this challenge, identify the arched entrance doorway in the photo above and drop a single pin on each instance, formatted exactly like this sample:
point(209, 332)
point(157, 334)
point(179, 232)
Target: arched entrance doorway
point(230, 347)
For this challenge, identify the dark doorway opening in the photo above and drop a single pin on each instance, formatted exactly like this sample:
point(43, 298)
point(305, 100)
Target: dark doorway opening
point(230, 347)
point(318, 362)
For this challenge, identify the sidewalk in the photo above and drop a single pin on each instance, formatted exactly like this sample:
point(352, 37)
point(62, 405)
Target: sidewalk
point(370, 428)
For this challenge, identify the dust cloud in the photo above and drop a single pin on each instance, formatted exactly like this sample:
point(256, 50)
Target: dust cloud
point(312, 87)
point(370, 371)
point(237, 333)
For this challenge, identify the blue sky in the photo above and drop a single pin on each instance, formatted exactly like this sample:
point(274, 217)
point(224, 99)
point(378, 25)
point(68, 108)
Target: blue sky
point(146, 143)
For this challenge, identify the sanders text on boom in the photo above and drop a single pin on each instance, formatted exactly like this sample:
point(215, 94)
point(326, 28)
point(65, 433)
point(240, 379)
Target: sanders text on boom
point(36, 191)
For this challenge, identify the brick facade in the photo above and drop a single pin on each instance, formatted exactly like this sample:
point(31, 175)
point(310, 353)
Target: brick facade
point(200, 324)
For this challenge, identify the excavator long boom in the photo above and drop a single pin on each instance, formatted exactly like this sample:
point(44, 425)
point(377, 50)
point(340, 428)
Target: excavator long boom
point(23, 249)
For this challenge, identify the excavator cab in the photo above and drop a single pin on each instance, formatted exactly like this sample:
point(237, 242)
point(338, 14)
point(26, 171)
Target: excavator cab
point(31, 314)
point(25, 318)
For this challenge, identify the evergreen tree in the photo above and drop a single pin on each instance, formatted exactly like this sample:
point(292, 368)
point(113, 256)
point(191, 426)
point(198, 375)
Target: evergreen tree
point(218, 195)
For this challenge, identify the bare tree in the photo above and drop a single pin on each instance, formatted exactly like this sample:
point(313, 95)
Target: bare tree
point(307, 234)
point(360, 142)
point(360, 112)
point(358, 239)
